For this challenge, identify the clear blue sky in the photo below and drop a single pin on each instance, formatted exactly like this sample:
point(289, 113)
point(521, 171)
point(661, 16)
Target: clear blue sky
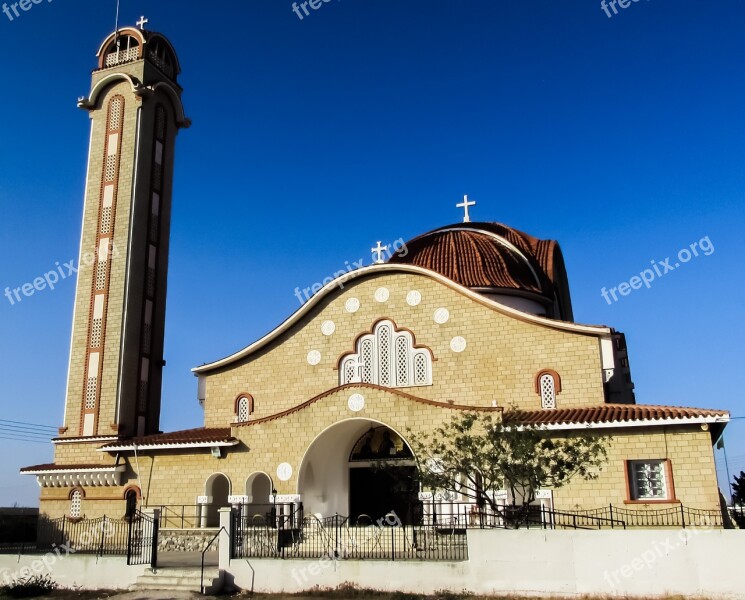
point(368, 120)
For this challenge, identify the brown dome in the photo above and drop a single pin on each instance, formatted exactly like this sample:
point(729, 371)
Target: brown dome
point(493, 257)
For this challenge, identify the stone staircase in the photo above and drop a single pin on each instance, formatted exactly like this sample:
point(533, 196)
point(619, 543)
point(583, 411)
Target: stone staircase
point(180, 579)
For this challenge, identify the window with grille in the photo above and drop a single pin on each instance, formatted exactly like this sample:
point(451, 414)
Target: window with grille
point(548, 391)
point(547, 386)
point(90, 392)
point(648, 479)
point(76, 504)
point(244, 409)
point(387, 357)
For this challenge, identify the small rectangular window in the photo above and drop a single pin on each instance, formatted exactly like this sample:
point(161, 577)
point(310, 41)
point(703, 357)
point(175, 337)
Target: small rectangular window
point(648, 480)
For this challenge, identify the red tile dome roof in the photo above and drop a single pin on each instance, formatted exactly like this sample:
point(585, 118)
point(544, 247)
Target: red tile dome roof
point(492, 257)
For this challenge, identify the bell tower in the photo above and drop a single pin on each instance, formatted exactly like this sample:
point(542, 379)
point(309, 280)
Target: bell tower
point(116, 354)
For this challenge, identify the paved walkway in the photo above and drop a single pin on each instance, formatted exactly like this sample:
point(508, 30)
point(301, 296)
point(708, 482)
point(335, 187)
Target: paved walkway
point(186, 559)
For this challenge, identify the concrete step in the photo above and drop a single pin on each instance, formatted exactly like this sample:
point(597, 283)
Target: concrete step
point(176, 579)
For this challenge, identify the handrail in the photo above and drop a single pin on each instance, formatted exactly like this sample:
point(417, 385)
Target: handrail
point(207, 547)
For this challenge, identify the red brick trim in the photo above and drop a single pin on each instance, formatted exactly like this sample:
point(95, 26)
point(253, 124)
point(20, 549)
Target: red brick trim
point(554, 374)
point(130, 488)
point(370, 386)
point(250, 402)
point(95, 411)
point(78, 489)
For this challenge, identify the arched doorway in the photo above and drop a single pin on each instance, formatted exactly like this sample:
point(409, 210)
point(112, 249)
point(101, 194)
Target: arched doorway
point(218, 489)
point(259, 491)
point(359, 468)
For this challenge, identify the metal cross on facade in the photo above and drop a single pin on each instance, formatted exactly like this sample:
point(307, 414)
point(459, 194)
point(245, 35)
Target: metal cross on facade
point(141, 23)
point(379, 251)
point(465, 204)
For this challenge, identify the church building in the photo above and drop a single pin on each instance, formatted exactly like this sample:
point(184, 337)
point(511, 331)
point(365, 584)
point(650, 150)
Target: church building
point(473, 316)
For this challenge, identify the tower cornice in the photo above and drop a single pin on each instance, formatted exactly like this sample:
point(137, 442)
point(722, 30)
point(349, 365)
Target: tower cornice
point(139, 90)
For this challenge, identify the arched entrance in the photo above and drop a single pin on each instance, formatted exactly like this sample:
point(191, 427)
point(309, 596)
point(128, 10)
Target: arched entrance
point(361, 469)
point(218, 489)
point(258, 490)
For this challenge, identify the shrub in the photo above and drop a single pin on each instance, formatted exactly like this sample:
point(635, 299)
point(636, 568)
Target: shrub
point(29, 587)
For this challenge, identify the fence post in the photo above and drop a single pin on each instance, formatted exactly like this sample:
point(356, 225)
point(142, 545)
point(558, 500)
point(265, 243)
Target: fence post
point(156, 524)
point(103, 532)
point(611, 515)
point(683, 515)
point(393, 543)
point(129, 536)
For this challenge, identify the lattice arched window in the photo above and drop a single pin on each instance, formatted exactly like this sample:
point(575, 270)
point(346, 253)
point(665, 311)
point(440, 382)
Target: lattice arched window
point(547, 386)
point(387, 357)
point(76, 504)
point(244, 407)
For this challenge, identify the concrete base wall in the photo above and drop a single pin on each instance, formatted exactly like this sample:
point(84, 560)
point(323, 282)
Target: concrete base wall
point(693, 562)
point(84, 571)
point(571, 563)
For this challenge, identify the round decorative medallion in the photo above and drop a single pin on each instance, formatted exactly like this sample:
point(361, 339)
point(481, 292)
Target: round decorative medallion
point(442, 315)
point(328, 328)
point(314, 357)
point(413, 298)
point(352, 305)
point(356, 402)
point(458, 344)
point(284, 471)
point(382, 294)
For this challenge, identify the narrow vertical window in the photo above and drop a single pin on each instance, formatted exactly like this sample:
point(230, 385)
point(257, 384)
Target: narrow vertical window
point(548, 391)
point(243, 410)
point(76, 504)
point(547, 386)
point(131, 500)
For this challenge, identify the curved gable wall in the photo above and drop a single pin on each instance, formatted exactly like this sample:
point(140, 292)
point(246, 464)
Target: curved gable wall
point(502, 355)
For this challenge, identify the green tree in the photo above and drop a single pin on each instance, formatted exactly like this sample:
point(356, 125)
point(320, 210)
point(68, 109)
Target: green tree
point(477, 454)
point(738, 489)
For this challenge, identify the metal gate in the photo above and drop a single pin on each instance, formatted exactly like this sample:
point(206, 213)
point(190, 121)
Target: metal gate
point(142, 541)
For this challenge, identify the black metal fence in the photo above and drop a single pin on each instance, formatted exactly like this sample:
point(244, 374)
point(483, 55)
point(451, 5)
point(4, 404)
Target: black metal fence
point(471, 516)
point(198, 516)
point(142, 540)
point(676, 516)
point(103, 536)
point(737, 514)
point(338, 539)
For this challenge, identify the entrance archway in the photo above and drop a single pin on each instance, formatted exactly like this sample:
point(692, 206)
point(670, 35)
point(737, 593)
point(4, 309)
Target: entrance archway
point(258, 490)
point(359, 468)
point(218, 488)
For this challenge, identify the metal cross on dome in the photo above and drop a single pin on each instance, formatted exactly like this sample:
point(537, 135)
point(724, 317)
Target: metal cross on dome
point(379, 251)
point(465, 204)
point(141, 23)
